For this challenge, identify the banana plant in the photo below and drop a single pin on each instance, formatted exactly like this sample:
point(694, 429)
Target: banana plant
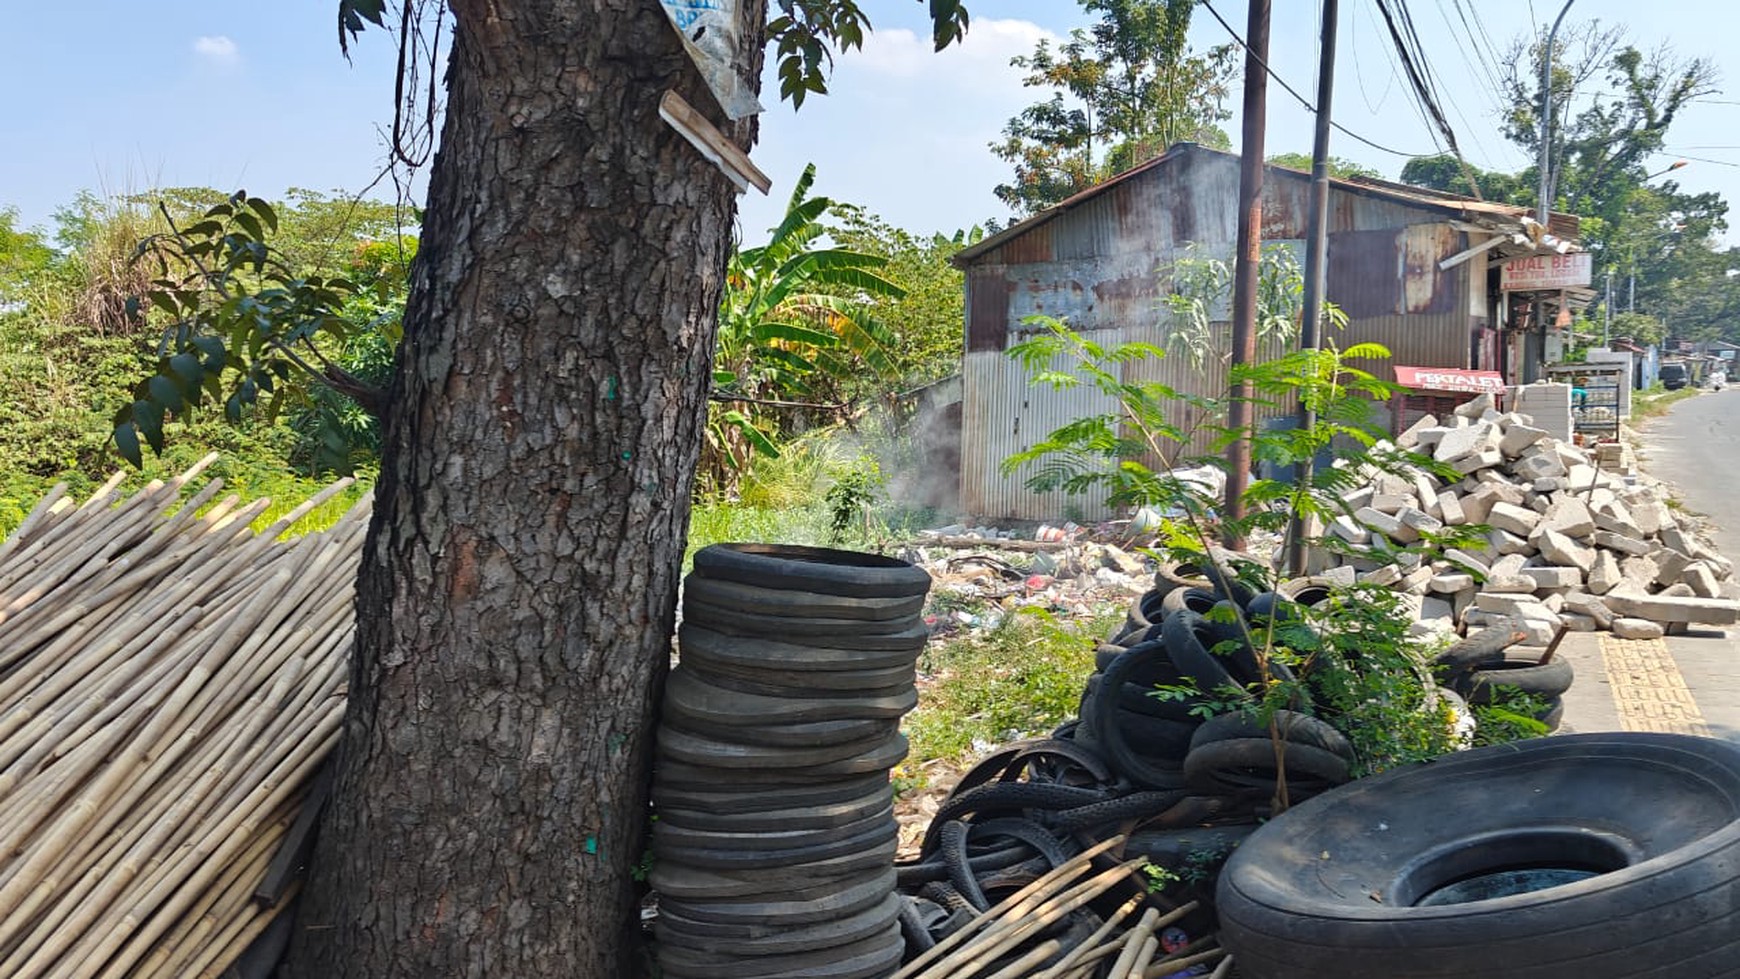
point(797, 331)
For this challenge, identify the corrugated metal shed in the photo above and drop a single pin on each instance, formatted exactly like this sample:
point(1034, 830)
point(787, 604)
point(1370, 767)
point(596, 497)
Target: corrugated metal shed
point(1098, 261)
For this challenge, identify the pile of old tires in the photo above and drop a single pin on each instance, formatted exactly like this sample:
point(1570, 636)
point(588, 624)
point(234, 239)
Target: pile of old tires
point(1479, 669)
point(1193, 631)
point(775, 835)
point(1594, 856)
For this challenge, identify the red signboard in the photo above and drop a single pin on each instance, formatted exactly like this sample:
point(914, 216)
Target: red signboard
point(1450, 379)
point(1549, 272)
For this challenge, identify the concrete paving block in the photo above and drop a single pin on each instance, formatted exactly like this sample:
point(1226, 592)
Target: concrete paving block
point(1505, 604)
point(1565, 552)
point(1666, 609)
point(1516, 438)
point(1604, 573)
point(1340, 577)
point(1669, 564)
point(1549, 484)
point(1702, 580)
point(1630, 628)
point(1538, 503)
point(1651, 517)
point(1678, 589)
point(1450, 509)
point(1437, 608)
point(1463, 559)
point(1484, 459)
point(1415, 581)
point(1555, 602)
point(1475, 407)
point(1584, 603)
point(1621, 543)
point(1508, 585)
point(1359, 497)
point(1570, 517)
point(1349, 530)
point(1575, 622)
point(1382, 577)
point(1461, 443)
point(1426, 489)
point(1508, 566)
point(1391, 503)
point(1508, 516)
point(1450, 582)
point(1678, 539)
point(1501, 541)
point(1537, 465)
point(1419, 521)
point(1381, 522)
point(1554, 577)
point(1411, 436)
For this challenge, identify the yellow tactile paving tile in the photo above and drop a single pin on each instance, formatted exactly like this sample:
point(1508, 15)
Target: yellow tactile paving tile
point(1648, 689)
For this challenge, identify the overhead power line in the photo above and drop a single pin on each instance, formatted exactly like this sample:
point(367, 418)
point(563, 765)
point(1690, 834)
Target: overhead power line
point(1291, 91)
point(1419, 73)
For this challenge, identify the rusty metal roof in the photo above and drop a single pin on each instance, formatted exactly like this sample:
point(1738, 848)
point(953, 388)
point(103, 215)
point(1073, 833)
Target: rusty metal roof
point(1448, 205)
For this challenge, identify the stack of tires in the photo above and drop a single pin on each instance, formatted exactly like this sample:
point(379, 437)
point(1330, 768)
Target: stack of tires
point(774, 844)
point(1479, 669)
point(1193, 630)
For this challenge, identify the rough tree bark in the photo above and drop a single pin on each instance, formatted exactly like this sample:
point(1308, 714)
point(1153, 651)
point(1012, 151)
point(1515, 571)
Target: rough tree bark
point(517, 598)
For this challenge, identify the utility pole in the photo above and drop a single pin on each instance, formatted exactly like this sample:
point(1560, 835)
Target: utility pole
point(1249, 259)
point(1546, 196)
point(1607, 314)
point(1316, 256)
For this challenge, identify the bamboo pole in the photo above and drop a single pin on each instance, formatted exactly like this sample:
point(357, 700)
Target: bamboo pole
point(1081, 952)
point(1016, 904)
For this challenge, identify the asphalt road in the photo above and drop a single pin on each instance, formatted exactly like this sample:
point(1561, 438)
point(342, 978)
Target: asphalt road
point(1689, 683)
point(1696, 448)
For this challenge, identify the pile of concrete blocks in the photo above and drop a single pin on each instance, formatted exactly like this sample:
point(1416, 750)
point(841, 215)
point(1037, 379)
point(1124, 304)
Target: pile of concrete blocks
point(1568, 545)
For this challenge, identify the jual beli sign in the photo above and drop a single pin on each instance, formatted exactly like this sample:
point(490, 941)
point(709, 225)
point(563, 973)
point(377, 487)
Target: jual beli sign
point(1535, 272)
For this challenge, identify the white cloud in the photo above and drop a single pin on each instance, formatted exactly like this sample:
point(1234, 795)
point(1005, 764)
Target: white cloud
point(218, 50)
point(980, 60)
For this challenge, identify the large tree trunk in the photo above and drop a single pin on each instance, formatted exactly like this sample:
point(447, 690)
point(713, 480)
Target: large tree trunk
point(517, 598)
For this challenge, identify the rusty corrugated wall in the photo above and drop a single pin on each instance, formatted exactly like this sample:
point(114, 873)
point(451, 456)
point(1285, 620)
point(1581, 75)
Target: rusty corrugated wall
point(1098, 265)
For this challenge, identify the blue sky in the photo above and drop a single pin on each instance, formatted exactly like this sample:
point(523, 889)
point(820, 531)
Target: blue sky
point(124, 96)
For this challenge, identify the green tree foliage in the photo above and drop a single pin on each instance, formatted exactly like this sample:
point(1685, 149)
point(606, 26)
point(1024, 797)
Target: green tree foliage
point(1338, 167)
point(1122, 91)
point(1444, 172)
point(926, 321)
point(26, 260)
point(799, 329)
point(1639, 328)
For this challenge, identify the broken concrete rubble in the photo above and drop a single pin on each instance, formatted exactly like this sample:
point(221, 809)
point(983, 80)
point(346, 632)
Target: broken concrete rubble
point(1569, 541)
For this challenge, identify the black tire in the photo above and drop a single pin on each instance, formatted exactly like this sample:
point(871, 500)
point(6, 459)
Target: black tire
point(698, 749)
point(784, 819)
point(876, 955)
point(676, 928)
point(907, 634)
point(1304, 591)
point(1173, 575)
point(728, 798)
point(1135, 806)
point(1178, 848)
point(1102, 731)
point(816, 569)
point(766, 846)
point(732, 708)
point(1552, 715)
point(1294, 727)
point(1349, 884)
point(1274, 605)
point(1060, 761)
point(784, 602)
point(1188, 640)
point(834, 684)
point(1145, 613)
point(1247, 766)
point(777, 735)
point(1006, 799)
point(1155, 738)
point(1477, 649)
point(1549, 680)
point(1198, 600)
point(695, 640)
point(742, 767)
point(791, 882)
point(1138, 699)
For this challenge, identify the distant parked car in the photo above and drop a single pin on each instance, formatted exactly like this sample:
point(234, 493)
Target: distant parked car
point(1673, 376)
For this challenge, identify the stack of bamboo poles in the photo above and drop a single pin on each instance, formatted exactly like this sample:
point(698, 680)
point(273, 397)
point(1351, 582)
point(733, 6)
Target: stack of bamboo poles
point(1010, 936)
point(170, 683)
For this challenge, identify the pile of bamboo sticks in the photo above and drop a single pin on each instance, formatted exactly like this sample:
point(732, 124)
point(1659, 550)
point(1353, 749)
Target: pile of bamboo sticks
point(170, 683)
point(1009, 938)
